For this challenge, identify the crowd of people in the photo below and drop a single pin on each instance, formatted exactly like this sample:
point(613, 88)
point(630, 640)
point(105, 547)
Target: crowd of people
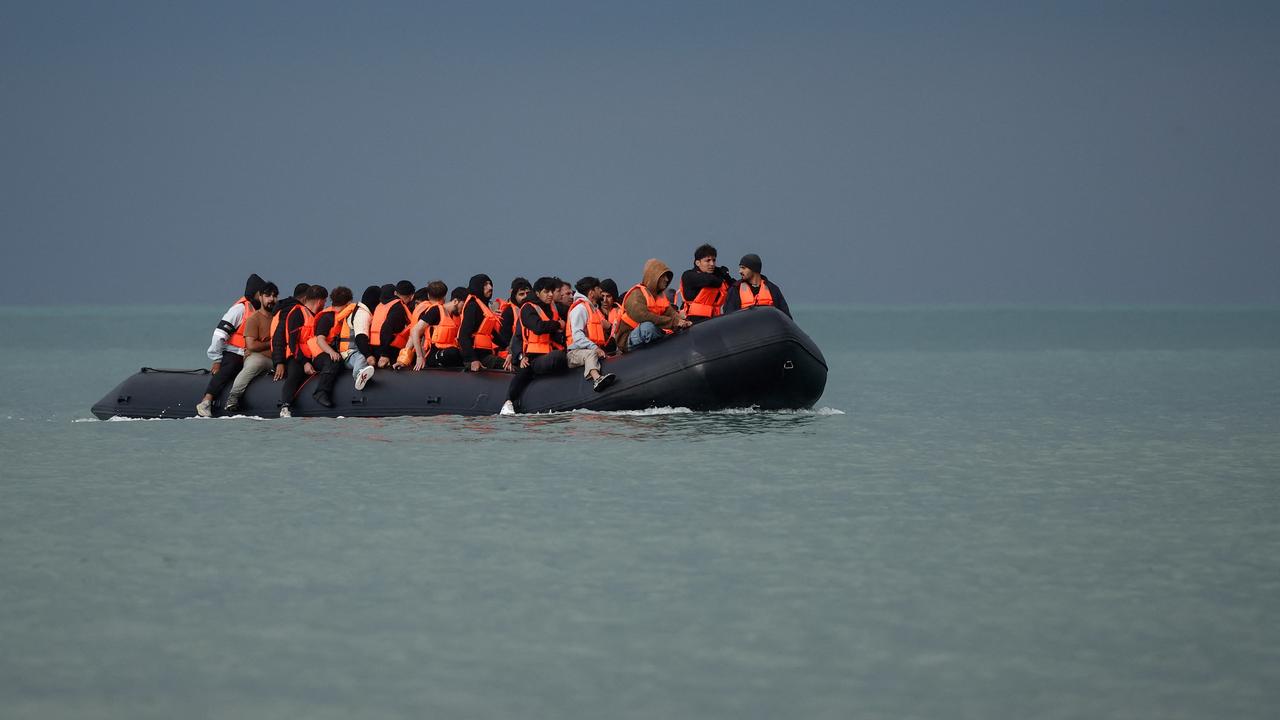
point(541, 328)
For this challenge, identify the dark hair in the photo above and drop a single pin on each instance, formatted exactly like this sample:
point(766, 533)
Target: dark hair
point(520, 284)
point(587, 284)
point(459, 293)
point(561, 283)
point(421, 295)
point(609, 286)
point(341, 295)
point(436, 290)
point(547, 283)
point(404, 287)
point(705, 250)
point(316, 292)
point(300, 290)
point(270, 289)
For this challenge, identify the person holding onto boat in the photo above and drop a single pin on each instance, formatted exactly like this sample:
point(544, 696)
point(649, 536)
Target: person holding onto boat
point(755, 288)
point(704, 287)
point(440, 336)
point(277, 327)
point(647, 315)
point(389, 328)
point(226, 349)
point(508, 311)
point(612, 311)
point(257, 346)
point(478, 334)
point(297, 366)
point(409, 353)
point(585, 334)
point(360, 356)
point(324, 338)
point(540, 350)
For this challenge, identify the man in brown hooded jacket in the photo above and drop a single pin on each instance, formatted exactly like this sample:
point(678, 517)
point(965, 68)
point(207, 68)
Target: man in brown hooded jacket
point(647, 315)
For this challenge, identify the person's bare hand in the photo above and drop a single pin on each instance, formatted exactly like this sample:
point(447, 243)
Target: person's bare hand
point(308, 369)
point(600, 353)
point(334, 356)
point(420, 363)
point(507, 364)
point(279, 374)
point(475, 366)
point(217, 365)
point(524, 361)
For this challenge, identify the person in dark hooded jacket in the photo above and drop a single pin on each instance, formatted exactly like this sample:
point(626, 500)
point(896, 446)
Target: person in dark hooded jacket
point(227, 347)
point(277, 336)
point(478, 335)
point(540, 349)
point(754, 288)
point(391, 322)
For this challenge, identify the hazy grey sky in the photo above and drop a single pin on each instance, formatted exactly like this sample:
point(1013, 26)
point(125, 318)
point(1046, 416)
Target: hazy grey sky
point(1072, 152)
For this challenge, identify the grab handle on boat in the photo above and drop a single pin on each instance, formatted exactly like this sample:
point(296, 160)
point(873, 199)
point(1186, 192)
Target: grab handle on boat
point(788, 365)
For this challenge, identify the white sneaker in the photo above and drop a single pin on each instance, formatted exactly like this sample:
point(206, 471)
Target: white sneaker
point(362, 377)
point(204, 409)
point(508, 408)
point(285, 411)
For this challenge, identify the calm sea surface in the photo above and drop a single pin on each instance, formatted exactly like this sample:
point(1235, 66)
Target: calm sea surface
point(993, 513)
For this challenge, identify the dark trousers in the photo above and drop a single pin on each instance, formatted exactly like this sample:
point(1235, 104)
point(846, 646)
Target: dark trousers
point(326, 373)
point(294, 376)
point(550, 364)
point(231, 364)
point(444, 358)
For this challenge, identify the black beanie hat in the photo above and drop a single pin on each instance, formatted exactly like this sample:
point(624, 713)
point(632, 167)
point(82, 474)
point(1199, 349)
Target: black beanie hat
point(404, 287)
point(752, 262)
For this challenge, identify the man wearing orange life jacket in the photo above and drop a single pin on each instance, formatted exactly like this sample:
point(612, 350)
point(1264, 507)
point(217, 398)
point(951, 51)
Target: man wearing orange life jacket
point(411, 350)
point(277, 327)
point(508, 313)
point(563, 296)
point(585, 334)
point(478, 337)
point(324, 339)
point(389, 329)
point(647, 315)
point(611, 308)
point(359, 355)
point(257, 347)
point(226, 350)
point(704, 288)
point(540, 350)
point(754, 289)
point(297, 365)
point(439, 329)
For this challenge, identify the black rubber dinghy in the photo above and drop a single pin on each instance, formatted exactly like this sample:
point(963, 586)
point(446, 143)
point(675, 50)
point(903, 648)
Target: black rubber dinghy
point(753, 358)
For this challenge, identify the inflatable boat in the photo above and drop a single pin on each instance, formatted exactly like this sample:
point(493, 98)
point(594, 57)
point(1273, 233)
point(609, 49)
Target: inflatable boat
point(753, 358)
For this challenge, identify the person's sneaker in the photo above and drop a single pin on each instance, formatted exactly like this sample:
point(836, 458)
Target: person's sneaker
point(604, 382)
point(508, 408)
point(362, 377)
point(231, 407)
point(324, 399)
point(204, 408)
point(285, 411)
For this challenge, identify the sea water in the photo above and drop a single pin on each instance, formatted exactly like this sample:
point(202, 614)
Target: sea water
point(991, 513)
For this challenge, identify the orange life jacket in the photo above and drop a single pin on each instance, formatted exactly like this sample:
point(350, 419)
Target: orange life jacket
point(304, 333)
point(408, 353)
point(615, 314)
point(445, 333)
point(749, 298)
point(595, 323)
point(237, 337)
point(543, 343)
point(380, 318)
point(483, 339)
point(657, 305)
point(340, 328)
point(708, 301)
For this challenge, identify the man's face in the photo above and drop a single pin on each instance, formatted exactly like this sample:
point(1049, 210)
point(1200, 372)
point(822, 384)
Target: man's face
point(406, 299)
point(563, 293)
point(747, 273)
point(268, 302)
point(664, 281)
point(546, 296)
point(451, 306)
point(315, 306)
point(594, 295)
point(488, 291)
point(607, 299)
point(706, 264)
point(521, 295)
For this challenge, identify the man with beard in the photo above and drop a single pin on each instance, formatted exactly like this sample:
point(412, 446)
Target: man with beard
point(478, 333)
point(755, 288)
point(227, 347)
point(257, 346)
